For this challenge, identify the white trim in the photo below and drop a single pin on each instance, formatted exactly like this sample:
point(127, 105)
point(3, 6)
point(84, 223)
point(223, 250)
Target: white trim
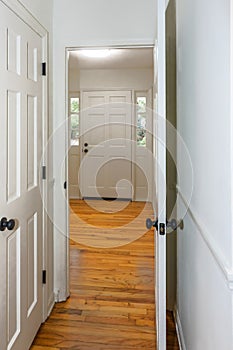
point(144, 45)
point(44, 185)
point(132, 89)
point(210, 242)
point(67, 145)
point(179, 330)
point(133, 137)
point(231, 113)
point(22, 12)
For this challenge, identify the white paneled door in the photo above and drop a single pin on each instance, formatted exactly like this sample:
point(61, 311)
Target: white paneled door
point(106, 142)
point(20, 199)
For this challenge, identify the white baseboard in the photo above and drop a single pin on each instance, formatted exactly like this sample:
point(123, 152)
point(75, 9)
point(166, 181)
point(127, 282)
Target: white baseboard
point(179, 330)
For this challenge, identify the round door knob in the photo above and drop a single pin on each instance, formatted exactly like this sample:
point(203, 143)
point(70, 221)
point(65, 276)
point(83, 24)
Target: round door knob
point(150, 224)
point(85, 151)
point(85, 144)
point(172, 224)
point(7, 224)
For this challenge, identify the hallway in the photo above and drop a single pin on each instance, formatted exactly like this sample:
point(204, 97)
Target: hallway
point(112, 304)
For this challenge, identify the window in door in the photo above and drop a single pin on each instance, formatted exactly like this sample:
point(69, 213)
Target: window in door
point(141, 101)
point(74, 109)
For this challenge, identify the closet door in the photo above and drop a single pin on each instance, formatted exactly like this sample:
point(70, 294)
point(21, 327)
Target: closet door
point(20, 196)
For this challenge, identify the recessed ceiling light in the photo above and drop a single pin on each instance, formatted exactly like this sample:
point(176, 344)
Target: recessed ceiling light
point(96, 53)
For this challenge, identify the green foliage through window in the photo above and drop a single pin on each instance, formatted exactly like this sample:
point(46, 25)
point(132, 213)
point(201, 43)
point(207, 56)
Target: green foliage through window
point(141, 121)
point(74, 119)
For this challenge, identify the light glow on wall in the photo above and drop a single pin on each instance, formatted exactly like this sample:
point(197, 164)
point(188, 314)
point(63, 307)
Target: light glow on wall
point(96, 53)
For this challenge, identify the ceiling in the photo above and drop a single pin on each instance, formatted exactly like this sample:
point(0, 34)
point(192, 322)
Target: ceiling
point(118, 59)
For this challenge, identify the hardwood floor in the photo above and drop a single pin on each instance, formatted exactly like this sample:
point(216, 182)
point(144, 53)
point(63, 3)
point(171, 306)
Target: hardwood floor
point(112, 304)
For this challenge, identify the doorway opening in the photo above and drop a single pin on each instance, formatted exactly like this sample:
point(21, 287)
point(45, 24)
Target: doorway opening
point(110, 104)
point(110, 166)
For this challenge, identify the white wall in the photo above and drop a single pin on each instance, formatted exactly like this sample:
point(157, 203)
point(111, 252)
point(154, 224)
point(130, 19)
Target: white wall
point(74, 80)
point(88, 23)
point(133, 79)
point(138, 79)
point(205, 247)
point(84, 22)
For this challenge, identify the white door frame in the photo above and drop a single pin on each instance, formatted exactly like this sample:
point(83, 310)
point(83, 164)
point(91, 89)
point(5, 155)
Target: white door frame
point(19, 10)
point(66, 278)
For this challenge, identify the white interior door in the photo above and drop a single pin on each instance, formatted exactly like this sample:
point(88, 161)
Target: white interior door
point(106, 142)
point(20, 199)
point(160, 175)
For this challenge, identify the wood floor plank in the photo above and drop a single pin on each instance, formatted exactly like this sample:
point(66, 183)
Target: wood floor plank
point(112, 303)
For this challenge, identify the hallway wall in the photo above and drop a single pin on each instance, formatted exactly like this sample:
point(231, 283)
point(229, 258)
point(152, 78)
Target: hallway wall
point(137, 79)
point(205, 247)
point(80, 24)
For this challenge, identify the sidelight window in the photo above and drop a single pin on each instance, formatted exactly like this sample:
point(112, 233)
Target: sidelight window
point(74, 119)
point(141, 120)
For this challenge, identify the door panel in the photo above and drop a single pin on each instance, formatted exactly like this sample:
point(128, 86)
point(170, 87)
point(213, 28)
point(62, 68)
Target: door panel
point(32, 258)
point(13, 165)
point(13, 273)
point(106, 169)
point(20, 198)
point(31, 144)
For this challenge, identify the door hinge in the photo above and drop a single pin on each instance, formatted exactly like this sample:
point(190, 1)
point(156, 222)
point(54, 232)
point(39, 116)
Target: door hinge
point(44, 73)
point(44, 276)
point(43, 172)
point(162, 229)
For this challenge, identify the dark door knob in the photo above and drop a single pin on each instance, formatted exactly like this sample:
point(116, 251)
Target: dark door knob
point(173, 224)
point(150, 224)
point(85, 150)
point(7, 224)
point(85, 144)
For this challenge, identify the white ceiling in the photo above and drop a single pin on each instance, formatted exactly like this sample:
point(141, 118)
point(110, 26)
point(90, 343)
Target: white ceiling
point(119, 59)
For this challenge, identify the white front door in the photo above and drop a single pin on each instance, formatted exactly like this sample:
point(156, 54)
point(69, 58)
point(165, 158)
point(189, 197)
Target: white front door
point(160, 175)
point(20, 198)
point(106, 142)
